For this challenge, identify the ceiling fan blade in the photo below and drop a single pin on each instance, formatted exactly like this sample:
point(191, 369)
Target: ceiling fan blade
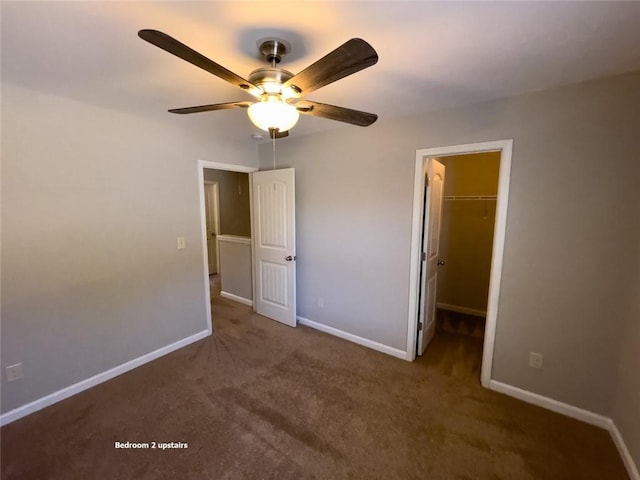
point(341, 114)
point(173, 46)
point(209, 108)
point(350, 57)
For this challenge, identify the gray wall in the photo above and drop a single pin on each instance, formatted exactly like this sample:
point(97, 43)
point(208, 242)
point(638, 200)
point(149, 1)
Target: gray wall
point(626, 394)
point(475, 174)
point(235, 268)
point(466, 234)
point(233, 188)
point(92, 203)
point(568, 217)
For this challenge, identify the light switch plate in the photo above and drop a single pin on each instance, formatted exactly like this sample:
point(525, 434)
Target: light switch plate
point(14, 372)
point(535, 360)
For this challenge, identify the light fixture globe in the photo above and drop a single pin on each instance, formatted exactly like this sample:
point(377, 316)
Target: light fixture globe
point(273, 113)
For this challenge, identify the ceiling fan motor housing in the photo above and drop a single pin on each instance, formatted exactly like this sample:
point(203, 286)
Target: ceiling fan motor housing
point(274, 49)
point(269, 75)
point(270, 78)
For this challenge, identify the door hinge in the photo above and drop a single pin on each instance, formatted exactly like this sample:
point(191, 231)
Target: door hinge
point(424, 256)
point(426, 180)
point(420, 326)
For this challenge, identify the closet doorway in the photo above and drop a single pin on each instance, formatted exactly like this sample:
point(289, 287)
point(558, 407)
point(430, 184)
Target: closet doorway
point(459, 223)
point(464, 260)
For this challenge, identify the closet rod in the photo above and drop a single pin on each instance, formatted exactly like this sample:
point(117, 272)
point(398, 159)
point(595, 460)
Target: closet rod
point(470, 197)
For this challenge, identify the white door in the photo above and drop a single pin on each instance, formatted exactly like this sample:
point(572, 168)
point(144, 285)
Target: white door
point(434, 188)
point(275, 244)
point(213, 224)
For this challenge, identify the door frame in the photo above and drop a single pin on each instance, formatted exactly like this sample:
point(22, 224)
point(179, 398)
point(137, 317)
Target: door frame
point(230, 167)
point(216, 202)
point(505, 147)
point(426, 263)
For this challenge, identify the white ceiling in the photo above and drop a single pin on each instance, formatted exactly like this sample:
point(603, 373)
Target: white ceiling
point(433, 55)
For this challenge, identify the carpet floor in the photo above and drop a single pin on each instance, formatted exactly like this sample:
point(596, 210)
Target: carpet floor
point(259, 400)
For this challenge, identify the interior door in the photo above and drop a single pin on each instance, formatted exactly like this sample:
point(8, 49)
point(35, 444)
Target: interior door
point(275, 244)
point(434, 190)
point(213, 221)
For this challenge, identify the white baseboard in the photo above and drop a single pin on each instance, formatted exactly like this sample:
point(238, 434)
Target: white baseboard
point(551, 404)
point(82, 385)
point(394, 352)
point(456, 308)
point(236, 298)
point(632, 469)
point(573, 412)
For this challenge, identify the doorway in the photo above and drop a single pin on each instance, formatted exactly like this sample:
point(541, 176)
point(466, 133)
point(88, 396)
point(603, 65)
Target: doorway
point(465, 238)
point(461, 303)
point(228, 211)
point(207, 175)
point(257, 260)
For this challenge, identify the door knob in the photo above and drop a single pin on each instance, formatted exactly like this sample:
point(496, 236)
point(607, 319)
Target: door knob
point(289, 258)
point(440, 262)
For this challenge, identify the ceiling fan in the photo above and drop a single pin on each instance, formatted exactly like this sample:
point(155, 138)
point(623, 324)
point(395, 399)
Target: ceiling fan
point(277, 91)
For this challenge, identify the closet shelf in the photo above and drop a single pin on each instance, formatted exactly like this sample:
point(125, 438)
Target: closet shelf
point(470, 197)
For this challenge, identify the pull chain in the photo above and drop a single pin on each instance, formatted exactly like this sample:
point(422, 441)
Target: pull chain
point(273, 137)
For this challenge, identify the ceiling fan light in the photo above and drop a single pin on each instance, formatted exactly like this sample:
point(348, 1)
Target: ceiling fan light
point(273, 113)
point(271, 88)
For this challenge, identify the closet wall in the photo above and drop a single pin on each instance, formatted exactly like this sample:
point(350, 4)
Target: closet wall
point(466, 234)
point(235, 217)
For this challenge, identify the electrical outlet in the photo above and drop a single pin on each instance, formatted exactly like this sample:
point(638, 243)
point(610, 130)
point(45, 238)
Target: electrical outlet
point(182, 243)
point(535, 360)
point(320, 302)
point(14, 372)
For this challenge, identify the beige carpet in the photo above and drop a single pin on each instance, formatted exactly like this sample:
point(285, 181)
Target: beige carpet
point(460, 323)
point(263, 401)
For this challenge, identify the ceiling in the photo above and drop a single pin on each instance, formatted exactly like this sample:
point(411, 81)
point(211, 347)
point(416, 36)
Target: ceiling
point(433, 55)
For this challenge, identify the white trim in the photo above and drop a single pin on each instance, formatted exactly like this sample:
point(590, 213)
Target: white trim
point(573, 412)
point(551, 404)
point(394, 352)
point(466, 310)
point(495, 277)
point(216, 226)
point(470, 197)
point(237, 298)
point(234, 239)
point(202, 164)
point(205, 254)
point(229, 167)
point(506, 148)
point(415, 256)
point(253, 245)
point(82, 385)
point(627, 459)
